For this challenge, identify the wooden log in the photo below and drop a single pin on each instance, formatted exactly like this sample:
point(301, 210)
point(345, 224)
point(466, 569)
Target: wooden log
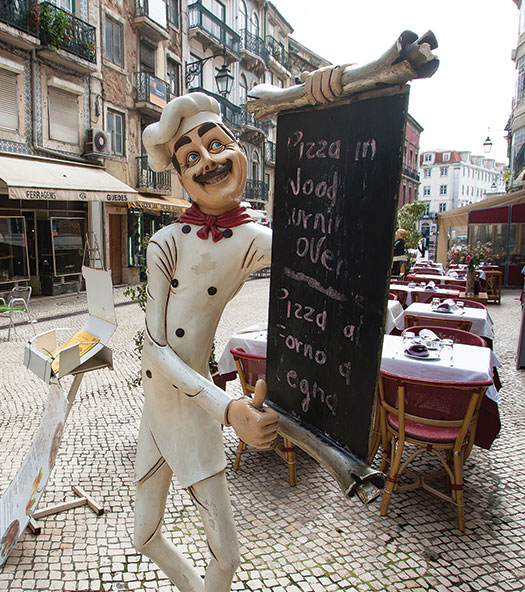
point(352, 475)
point(410, 57)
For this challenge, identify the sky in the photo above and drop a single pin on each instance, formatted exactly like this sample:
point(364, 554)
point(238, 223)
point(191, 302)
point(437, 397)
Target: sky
point(471, 93)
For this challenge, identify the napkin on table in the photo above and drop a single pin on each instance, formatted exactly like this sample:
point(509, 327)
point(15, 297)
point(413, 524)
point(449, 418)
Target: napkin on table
point(418, 350)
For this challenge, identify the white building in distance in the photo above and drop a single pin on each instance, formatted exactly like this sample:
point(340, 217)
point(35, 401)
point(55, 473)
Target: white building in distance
point(451, 179)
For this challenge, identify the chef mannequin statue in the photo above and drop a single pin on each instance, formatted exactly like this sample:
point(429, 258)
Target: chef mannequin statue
point(195, 267)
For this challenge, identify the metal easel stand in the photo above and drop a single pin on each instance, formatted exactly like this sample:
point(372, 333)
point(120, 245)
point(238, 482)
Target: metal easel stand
point(96, 363)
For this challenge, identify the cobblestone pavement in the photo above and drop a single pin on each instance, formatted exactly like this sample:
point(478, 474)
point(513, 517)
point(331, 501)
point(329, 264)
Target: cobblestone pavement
point(303, 539)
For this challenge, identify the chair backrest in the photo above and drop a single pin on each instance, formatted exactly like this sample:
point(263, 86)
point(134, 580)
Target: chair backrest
point(470, 303)
point(416, 321)
point(401, 296)
point(422, 296)
point(432, 402)
point(457, 335)
point(425, 270)
point(19, 292)
point(392, 296)
point(401, 282)
point(456, 282)
point(250, 368)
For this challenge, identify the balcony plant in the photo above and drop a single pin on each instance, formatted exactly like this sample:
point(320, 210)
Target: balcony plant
point(471, 256)
point(54, 26)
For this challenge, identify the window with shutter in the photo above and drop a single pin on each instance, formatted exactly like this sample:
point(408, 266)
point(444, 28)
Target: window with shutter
point(8, 100)
point(63, 116)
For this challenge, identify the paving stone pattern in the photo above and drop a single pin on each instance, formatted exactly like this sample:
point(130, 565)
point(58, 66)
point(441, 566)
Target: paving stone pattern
point(302, 539)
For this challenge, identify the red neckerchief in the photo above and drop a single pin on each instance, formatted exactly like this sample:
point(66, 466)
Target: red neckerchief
point(230, 219)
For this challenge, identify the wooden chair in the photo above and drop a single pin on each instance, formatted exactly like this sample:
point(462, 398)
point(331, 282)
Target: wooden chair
point(392, 296)
point(400, 295)
point(493, 281)
point(425, 297)
point(250, 368)
point(455, 284)
point(412, 320)
point(457, 335)
point(17, 301)
point(470, 303)
point(435, 416)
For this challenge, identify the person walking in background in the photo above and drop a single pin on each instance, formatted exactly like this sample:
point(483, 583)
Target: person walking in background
point(400, 255)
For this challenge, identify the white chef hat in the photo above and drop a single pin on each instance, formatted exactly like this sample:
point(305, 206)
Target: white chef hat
point(179, 116)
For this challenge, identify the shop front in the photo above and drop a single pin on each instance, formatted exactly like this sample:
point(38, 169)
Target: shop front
point(48, 212)
point(499, 221)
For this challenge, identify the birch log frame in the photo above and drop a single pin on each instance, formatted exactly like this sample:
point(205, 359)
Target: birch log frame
point(410, 57)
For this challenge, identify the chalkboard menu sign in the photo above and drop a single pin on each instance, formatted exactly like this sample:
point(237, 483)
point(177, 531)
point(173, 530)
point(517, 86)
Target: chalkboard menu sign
point(337, 179)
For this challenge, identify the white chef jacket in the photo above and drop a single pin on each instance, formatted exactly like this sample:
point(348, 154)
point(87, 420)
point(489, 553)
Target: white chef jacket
point(190, 281)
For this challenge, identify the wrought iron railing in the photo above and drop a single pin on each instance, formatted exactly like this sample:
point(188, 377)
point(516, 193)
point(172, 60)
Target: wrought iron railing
point(269, 151)
point(201, 18)
point(58, 29)
point(151, 89)
point(277, 51)
point(256, 190)
point(247, 118)
point(411, 173)
point(231, 113)
point(254, 44)
point(20, 14)
point(149, 179)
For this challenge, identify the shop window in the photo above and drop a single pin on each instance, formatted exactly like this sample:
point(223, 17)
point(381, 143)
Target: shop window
point(115, 127)
point(517, 244)
point(136, 248)
point(63, 116)
point(13, 249)
point(67, 239)
point(8, 100)
point(113, 41)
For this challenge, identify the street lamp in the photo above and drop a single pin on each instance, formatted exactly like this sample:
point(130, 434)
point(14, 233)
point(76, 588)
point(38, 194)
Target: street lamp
point(487, 145)
point(223, 78)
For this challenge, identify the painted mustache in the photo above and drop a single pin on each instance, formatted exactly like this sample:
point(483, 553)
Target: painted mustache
point(210, 175)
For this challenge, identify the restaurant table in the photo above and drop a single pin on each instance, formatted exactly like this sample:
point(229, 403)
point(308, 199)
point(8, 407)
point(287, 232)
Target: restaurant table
point(482, 297)
point(469, 364)
point(439, 291)
point(426, 277)
point(481, 322)
point(393, 311)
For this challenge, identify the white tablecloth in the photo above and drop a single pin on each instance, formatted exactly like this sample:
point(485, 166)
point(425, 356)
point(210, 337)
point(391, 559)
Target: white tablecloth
point(470, 364)
point(252, 340)
point(481, 321)
point(440, 292)
point(394, 310)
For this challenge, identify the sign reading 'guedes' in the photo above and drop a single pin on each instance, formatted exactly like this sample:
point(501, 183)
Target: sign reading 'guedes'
point(336, 187)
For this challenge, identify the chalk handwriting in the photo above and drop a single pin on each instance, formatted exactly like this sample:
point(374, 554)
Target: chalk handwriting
point(320, 189)
point(365, 149)
point(311, 390)
point(325, 223)
point(316, 149)
point(305, 349)
point(314, 250)
point(315, 284)
point(303, 312)
point(345, 370)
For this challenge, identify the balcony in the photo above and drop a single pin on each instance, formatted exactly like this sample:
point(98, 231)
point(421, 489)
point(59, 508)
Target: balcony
point(231, 114)
point(279, 57)
point(19, 23)
point(251, 129)
point(152, 94)
point(256, 190)
point(411, 173)
point(213, 33)
point(151, 19)
point(254, 54)
point(269, 152)
point(149, 181)
point(68, 40)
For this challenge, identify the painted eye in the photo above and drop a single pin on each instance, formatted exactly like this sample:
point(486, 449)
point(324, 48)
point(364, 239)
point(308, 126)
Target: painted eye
point(192, 158)
point(216, 145)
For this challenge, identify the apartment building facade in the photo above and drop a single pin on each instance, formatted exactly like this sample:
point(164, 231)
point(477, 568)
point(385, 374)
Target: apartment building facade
point(79, 81)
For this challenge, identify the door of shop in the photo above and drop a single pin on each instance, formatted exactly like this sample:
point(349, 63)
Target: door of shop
point(115, 249)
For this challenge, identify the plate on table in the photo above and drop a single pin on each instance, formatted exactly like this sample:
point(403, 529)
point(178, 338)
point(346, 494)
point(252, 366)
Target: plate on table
point(432, 355)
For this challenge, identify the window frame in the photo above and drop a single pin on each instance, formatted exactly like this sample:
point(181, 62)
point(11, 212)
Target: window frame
point(115, 25)
point(114, 114)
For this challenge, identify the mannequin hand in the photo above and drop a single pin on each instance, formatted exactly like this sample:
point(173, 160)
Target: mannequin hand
point(255, 425)
point(323, 85)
